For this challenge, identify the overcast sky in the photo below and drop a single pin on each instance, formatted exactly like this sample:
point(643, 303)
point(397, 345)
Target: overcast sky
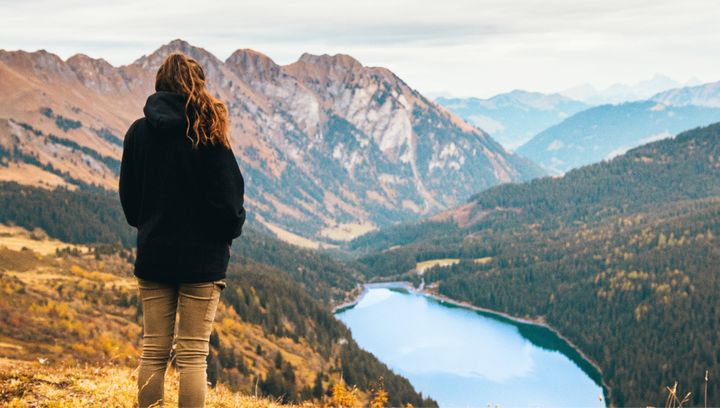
point(455, 47)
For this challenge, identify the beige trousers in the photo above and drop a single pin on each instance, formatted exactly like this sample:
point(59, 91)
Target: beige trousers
point(195, 305)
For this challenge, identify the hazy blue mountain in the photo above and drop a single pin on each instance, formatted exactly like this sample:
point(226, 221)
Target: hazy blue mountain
point(609, 130)
point(700, 95)
point(619, 93)
point(515, 117)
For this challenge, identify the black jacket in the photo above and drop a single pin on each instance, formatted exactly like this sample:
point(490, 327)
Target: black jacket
point(186, 204)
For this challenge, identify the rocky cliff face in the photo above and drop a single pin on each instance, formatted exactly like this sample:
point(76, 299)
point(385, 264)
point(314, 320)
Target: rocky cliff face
point(330, 148)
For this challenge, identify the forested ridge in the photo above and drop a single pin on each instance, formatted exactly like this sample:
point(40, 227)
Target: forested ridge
point(58, 212)
point(326, 278)
point(621, 257)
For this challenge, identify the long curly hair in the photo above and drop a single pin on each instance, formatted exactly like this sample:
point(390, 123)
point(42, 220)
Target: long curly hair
point(207, 116)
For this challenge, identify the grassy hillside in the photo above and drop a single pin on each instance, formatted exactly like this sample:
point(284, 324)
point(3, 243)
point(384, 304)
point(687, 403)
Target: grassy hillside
point(39, 385)
point(76, 303)
point(621, 257)
point(64, 304)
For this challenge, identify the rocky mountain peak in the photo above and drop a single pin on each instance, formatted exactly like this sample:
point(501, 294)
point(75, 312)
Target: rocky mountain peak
point(337, 60)
point(217, 73)
point(153, 61)
point(331, 147)
point(82, 59)
point(47, 65)
point(95, 73)
point(335, 68)
point(249, 64)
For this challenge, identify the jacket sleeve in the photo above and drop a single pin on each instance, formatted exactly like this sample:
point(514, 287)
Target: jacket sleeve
point(128, 188)
point(224, 192)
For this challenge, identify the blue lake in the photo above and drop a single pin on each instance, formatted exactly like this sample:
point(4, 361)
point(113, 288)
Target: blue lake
point(465, 358)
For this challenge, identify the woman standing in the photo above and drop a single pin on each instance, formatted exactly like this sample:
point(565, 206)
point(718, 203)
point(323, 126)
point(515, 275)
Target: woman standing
point(181, 187)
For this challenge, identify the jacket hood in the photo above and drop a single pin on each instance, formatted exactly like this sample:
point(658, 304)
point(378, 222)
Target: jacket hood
point(165, 110)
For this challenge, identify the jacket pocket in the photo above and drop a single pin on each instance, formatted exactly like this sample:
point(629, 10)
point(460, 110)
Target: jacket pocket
point(221, 284)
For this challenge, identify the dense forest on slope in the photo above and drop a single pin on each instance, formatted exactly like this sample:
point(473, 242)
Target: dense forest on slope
point(284, 290)
point(328, 279)
point(261, 296)
point(71, 216)
point(622, 257)
point(91, 217)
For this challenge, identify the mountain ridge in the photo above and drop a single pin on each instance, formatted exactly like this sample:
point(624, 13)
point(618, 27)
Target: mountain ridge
point(326, 142)
point(514, 117)
point(700, 95)
point(618, 93)
point(602, 132)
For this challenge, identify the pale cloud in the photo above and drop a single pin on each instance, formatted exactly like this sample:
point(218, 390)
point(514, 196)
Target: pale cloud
point(461, 47)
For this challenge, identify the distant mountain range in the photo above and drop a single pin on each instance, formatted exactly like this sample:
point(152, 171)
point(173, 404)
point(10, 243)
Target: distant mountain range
point(619, 93)
point(700, 95)
point(330, 148)
point(606, 131)
point(515, 117)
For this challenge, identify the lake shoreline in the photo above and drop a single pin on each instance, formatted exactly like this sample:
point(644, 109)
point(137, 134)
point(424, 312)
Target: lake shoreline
point(428, 292)
point(367, 286)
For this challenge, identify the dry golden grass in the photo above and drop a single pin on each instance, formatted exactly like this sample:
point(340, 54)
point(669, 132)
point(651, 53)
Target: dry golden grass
point(348, 231)
point(294, 239)
point(25, 384)
point(29, 174)
point(16, 238)
point(483, 260)
point(421, 267)
point(675, 399)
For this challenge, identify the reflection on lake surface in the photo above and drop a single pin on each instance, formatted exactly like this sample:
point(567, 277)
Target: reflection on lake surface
point(463, 358)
